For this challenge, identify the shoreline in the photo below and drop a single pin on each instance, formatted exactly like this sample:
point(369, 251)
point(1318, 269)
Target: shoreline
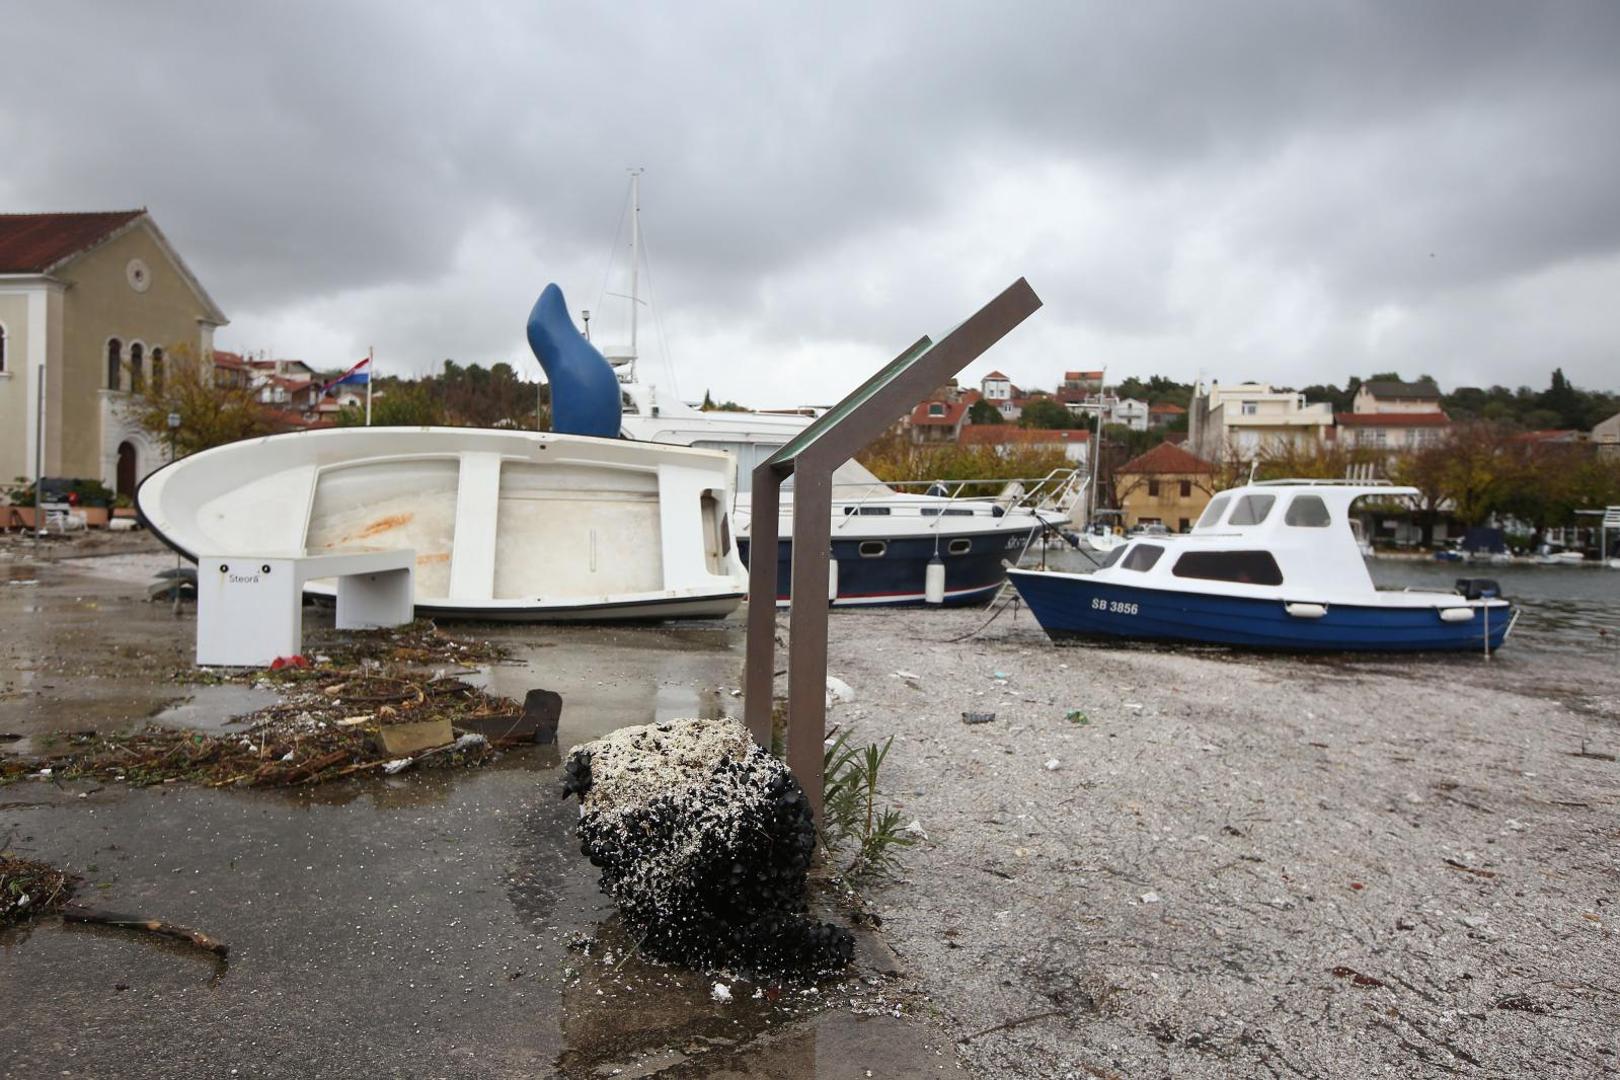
point(1244, 862)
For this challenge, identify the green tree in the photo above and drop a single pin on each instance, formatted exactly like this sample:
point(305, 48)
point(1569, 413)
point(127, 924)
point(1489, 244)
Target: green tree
point(1046, 413)
point(397, 404)
point(983, 412)
point(210, 415)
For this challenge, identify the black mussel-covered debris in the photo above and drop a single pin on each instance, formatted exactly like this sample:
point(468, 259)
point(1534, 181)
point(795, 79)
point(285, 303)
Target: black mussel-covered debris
point(703, 840)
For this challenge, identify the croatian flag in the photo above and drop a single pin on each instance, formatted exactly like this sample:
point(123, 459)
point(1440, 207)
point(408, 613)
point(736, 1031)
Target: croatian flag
point(359, 375)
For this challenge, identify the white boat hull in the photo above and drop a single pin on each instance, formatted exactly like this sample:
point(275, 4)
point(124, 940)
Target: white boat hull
point(504, 524)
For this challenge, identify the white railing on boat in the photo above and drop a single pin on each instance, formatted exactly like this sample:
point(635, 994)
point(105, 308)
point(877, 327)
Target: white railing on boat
point(1058, 490)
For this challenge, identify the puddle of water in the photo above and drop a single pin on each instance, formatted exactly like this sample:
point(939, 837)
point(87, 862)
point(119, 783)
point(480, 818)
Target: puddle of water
point(214, 708)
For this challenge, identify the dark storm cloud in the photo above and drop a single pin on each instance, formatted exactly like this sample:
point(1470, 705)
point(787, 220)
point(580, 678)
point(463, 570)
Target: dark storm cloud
point(1288, 186)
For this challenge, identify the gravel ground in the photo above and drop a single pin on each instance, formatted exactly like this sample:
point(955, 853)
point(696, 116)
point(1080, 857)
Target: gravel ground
point(1236, 864)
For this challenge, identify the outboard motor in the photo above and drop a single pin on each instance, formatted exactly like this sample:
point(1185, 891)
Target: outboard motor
point(584, 391)
point(1478, 588)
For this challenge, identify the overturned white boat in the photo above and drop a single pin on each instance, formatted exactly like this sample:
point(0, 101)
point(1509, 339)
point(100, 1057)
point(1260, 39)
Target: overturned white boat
point(505, 524)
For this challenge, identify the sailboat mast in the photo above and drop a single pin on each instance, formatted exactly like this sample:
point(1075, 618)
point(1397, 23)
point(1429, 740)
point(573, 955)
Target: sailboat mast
point(635, 262)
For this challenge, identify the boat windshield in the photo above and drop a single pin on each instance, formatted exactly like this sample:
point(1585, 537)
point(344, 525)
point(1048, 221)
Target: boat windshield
point(1251, 509)
point(1309, 512)
point(1142, 557)
point(1213, 512)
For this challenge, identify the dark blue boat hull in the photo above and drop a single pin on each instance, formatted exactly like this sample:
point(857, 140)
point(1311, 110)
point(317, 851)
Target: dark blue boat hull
point(896, 578)
point(1075, 607)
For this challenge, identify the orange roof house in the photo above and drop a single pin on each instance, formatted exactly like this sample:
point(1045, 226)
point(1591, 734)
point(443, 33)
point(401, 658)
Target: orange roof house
point(1166, 486)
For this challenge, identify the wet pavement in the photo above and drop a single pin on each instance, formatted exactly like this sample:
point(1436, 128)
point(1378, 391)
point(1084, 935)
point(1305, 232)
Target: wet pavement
point(430, 924)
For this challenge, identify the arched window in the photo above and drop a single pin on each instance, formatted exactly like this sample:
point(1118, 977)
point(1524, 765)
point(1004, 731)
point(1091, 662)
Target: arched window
point(157, 371)
point(137, 367)
point(115, 363)
point(3, 347)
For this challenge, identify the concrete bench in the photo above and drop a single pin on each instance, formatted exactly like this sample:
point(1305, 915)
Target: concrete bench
point(250, 608)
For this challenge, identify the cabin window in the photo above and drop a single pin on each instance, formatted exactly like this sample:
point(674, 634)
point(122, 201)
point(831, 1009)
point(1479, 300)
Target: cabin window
point(1142, 557)
point(1251, 509)
point(1243, 567)
point(716, 533)
point(1112, 557)
point(1213, 512)
point(1153, 489)
point(873, 549)
point(934, 511)
point(960, 546)
point(1308, 512)
point(867, 511)
point(115, 361)
point(137, 368)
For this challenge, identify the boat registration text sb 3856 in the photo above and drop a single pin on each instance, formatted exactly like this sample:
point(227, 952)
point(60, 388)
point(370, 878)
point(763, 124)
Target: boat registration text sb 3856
point(1116, 607)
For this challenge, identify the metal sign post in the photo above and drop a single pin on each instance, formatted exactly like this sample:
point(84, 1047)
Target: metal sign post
point(810, 459)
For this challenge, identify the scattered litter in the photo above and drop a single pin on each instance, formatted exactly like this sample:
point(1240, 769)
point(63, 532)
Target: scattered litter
point(1342, 972)
point(398, 764)
point(1134, 705)
point(721, 992)
point(1052, 764)
point(978, 717)
point(1075, 716)
point(906, 675)
point(838, 691)
point(915, 829)
point(1150, 898)
point(294, 661)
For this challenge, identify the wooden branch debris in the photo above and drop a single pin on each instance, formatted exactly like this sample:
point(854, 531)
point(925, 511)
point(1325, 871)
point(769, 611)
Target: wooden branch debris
point(78, 913)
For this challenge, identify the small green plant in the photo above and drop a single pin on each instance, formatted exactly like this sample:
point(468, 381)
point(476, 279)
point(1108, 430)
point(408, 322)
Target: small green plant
point(849, 808)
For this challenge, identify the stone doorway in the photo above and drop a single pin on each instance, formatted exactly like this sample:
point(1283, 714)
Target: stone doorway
point(126, 469)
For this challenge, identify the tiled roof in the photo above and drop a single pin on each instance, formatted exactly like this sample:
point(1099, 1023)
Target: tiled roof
point(229, 360)
point(996, 375)
point(951, 417)
point(1393, 420)
point(1167, 409)
point(1389, 388)
point(1556, 435)
point(1167, 457)
point(1077, 376)
point(1002, 434)
point(33, 243)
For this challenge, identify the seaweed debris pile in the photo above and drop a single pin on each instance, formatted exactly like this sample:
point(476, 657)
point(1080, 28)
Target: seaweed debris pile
point(31, 890)
point(703, 840)
point(337, 718)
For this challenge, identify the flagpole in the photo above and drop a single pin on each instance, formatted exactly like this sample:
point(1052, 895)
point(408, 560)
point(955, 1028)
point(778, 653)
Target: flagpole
point(371, 374)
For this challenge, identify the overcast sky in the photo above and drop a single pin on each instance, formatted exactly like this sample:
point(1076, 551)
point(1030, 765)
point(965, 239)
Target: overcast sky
point(1284, 191)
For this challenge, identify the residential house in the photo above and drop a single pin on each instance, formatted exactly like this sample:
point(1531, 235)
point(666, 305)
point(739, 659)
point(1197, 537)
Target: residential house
point(1393, 432)
point(1074, 444)
point(1165, 486)
point(1128, 411)
point(996, 387)
point(1389, 396)
point(93, 304)
point(1607, 436)
point(1163, 414)
point(936, 421)
point(231, 370)
point(1084, 383)
point(1245, 420)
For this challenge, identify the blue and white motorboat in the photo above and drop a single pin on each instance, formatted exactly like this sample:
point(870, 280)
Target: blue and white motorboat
point(1271, 565)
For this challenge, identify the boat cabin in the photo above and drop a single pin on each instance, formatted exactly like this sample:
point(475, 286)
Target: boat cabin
point(1267, 538)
